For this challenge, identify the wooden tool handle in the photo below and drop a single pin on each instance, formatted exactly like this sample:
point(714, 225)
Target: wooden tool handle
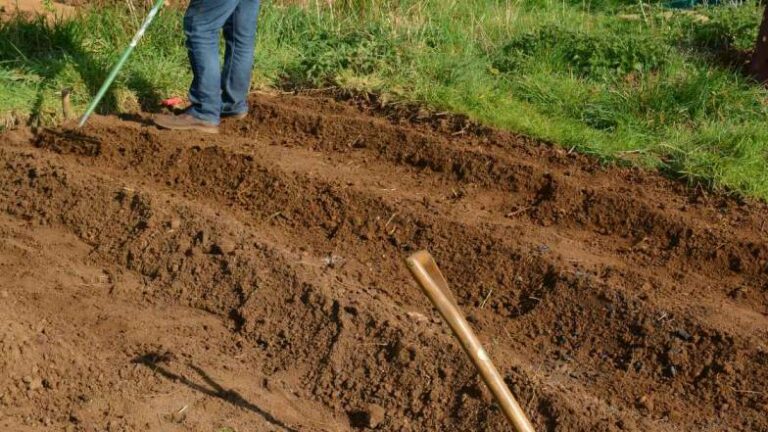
point(428, 275)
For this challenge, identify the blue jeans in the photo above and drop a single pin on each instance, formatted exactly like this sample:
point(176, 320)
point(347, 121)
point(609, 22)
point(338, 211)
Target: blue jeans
point(217, 91)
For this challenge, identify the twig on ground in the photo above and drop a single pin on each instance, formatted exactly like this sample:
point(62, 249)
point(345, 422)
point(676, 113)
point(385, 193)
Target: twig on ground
point(482, 305)
point(389, 221)
point(748, 391)
point(518, 212)
point(66, 105)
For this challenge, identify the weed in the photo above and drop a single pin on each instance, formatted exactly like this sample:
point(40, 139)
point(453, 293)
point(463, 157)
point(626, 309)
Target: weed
point(328, 55)
point(588, 55)
point(39, 57)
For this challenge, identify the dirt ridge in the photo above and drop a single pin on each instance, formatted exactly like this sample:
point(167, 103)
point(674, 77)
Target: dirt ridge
point(611, 299)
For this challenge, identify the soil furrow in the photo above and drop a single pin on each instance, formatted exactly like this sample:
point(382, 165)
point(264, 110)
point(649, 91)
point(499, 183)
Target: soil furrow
point(562, 189)
point(612, 300)
point(142, 221)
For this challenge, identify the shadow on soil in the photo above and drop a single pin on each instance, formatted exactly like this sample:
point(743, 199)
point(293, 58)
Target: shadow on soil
point(208, 386)
point(716, 43)
point(53, 50)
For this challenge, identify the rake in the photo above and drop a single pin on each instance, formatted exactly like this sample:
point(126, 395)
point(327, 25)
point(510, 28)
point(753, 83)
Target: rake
point(119, 65)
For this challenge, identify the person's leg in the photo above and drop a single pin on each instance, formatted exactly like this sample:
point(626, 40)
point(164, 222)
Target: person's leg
point(240, 37)
point(203, 22)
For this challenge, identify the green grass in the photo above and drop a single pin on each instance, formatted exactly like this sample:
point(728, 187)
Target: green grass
point(619, 80)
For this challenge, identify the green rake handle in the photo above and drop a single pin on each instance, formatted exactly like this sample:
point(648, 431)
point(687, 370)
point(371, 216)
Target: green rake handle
point(119, 65)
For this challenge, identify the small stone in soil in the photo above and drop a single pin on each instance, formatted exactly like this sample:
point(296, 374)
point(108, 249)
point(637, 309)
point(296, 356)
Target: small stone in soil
point(376, 414)
point(201, 238)
point(223, 247)
point(35, 384)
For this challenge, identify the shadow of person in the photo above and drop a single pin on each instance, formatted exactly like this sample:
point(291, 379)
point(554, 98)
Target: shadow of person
point(47, 48)
point(208, 387)
point(55, 51)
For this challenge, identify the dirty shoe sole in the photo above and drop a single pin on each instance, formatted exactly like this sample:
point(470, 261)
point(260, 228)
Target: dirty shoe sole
point(198, 128)
point(184, 122)
point(239, 116)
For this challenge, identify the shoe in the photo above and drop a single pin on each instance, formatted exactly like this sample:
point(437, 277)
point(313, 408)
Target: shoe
point(236, 116)
point(185, 122)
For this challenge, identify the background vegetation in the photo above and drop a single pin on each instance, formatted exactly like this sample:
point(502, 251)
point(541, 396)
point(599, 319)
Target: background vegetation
point(659, 86)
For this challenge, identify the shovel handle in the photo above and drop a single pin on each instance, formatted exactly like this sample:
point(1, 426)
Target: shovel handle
point(433, 283)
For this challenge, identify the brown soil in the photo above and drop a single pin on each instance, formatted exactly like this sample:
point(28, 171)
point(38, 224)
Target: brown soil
point(9, 8)
point(165, 281)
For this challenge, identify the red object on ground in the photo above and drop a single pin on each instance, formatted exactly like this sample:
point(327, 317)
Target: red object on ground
point(172, 102)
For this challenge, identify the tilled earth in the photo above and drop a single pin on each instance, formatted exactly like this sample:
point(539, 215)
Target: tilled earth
point(165, 281)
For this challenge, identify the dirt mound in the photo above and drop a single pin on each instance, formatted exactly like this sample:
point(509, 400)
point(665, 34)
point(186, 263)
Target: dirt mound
point(10, 8)
point(254, 280)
